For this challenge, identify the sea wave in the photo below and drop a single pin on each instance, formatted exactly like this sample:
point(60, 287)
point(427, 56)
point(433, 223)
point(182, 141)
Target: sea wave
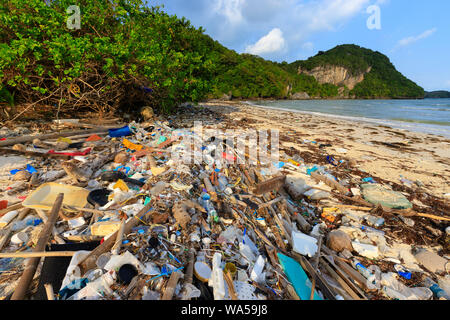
point(426, 109)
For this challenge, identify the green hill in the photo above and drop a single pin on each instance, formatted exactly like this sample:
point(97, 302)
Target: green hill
point(245, 76)
point(383, 80)
point(437, 94)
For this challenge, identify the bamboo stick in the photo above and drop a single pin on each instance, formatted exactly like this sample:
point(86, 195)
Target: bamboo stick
point(43, 254)
point(49, 291)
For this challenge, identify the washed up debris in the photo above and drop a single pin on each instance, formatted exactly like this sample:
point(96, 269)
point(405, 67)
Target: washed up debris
point(293, 228)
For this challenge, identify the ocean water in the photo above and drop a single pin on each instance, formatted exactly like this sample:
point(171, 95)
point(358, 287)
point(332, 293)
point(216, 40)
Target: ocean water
point(427, 116)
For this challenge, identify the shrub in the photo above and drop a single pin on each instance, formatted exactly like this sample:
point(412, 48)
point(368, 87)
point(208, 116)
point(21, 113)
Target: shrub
point(125, 54)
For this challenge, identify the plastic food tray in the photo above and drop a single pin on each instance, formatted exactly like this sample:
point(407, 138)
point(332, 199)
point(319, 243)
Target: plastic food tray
point(44, 197)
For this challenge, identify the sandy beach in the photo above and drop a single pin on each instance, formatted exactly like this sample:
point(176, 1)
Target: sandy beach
point(379, 151)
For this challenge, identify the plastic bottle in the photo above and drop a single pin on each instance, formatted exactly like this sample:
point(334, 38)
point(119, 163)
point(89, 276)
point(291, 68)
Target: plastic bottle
point(437, 291)
point(223, 182)
point(217, 278)
point(375, 221)
point(363, 270)
point(205, 202)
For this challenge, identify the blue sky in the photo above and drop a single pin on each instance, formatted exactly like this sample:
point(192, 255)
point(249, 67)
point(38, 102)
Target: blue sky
point(415, 35)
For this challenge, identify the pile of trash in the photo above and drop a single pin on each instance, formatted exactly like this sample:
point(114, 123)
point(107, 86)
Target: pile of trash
point(164, 228)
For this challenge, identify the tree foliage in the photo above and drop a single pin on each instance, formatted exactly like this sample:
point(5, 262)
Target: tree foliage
point(125, 53)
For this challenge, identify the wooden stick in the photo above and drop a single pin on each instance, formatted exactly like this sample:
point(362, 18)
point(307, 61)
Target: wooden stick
point(190, 267)
point(352, 207)
point(32, 264)
point(49, 291)
point(340, 280)
point(83, 238)
point(11, 142)
point(316, 266)
point(34, 154)
point(432, 216)
point(23, 214)
point(33, 254)
point(322, 284)
point(170, 289)
point(231, 290)
point(116, 248)
point(331, 183)
point(5, 237)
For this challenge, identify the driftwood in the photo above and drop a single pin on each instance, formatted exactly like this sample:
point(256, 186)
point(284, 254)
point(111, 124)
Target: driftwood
point(170, 289)
point(270, 185)
point(37, 254)
point(331, 183)
point(24, 139)
point(32, 264)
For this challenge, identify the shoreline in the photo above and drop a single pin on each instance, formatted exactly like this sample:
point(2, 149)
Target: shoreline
point(395, 124)
point(380, 151)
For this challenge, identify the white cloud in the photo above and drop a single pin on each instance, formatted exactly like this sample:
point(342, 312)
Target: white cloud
point(308, 46)
point(271, 43)
point(327, 14)
point(410, 40)
point(231, 9)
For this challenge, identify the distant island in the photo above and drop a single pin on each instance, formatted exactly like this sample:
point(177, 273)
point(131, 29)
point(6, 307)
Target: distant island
point(437, 94)
point(344, 72)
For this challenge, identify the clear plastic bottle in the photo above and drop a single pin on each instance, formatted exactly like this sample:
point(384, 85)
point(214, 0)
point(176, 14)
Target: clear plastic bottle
point(223, 182)
point(437, 291)
point(205, 202)
point(364, 271)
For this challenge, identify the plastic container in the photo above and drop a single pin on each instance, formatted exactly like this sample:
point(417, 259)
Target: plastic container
point(217, 281)
point(364, 271)
point(120, 132)
point(7, 218)
point(19, 238)
point(202, 271)
point(223, 182)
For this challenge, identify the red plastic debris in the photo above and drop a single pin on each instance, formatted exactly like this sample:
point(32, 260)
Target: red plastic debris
point(72, 154)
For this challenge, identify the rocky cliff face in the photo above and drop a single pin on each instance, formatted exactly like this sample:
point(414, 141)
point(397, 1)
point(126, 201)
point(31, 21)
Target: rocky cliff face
point(336, 75)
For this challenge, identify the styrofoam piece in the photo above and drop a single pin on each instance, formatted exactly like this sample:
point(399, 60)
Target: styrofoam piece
point(76, 223)
point(257, 272)
point(366, 250)
point(304, 244)
point(116, 261)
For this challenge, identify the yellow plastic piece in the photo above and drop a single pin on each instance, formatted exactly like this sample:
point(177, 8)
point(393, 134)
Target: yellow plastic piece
point(130, 145)
point(104, 228)
point(63, 139)
point(121, 185)
point(45, 196)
